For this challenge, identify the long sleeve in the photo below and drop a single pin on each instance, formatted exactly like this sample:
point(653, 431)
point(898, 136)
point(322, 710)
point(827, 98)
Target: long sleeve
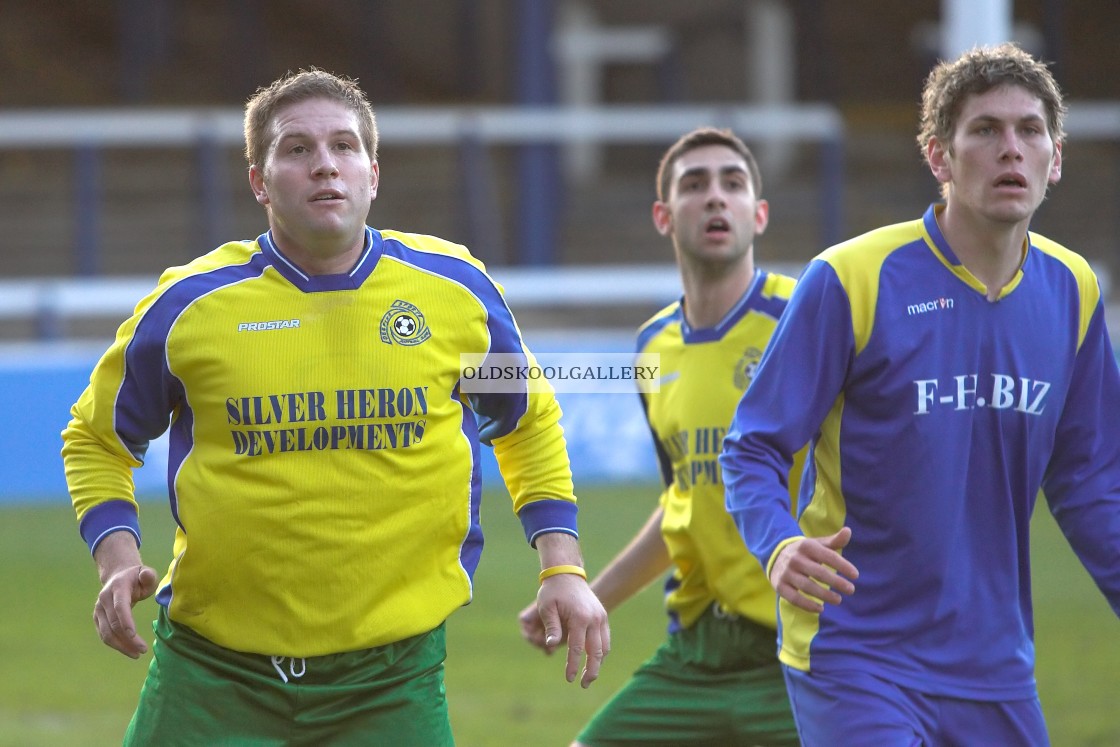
point(127, 404)
point(1082, 481)
point(798, 381)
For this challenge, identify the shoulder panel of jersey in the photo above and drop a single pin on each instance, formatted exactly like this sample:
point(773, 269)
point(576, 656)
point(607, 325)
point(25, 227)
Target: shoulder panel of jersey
point(229, 262)
point(455, 263)
point(1087, 283)
point(145, 358)
point(778, 286)
point(858, 263)
point(436, 246)
point(652, 327)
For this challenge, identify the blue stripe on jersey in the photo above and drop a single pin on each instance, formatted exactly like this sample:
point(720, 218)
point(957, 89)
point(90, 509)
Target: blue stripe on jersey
point(179, 446)
point(499, 412)
point(139, 417)
point(672, 583)
point(351, 280)
point(663, 459)
point(752, 299)
point(471, 550)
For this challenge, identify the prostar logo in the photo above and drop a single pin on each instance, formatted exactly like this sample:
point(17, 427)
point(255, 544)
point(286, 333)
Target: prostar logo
point(1004, 392)
point(268, 326)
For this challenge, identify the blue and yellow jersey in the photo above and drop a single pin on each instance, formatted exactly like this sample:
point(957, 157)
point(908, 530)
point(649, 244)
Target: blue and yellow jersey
point(703, 375)
point(324, 468)
point(936, 418)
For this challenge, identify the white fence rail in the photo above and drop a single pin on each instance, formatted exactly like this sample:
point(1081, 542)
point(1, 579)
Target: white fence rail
point(48, 301)
point(51, 303)
point(138, 127)
point(473, 130)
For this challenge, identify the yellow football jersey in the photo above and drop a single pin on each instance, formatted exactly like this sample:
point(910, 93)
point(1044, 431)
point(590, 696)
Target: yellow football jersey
point(324, 468)
point(704, 373)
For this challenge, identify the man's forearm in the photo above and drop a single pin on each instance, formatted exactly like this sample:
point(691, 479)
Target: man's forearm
point(116, 551)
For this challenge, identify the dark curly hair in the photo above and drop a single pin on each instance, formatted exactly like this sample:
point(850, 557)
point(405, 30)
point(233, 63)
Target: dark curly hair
point(978, 71)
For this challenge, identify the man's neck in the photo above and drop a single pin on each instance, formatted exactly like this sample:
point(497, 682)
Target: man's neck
point(322, 259)
point(709, 293)
point(991, 251)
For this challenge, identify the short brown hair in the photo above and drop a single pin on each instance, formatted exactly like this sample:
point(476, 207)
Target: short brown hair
point(293, 88)
point(698, 138)
point(978, 71)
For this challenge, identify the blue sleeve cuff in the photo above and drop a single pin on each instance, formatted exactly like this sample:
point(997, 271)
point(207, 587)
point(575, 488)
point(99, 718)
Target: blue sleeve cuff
point(550, 515)
point(106, 518)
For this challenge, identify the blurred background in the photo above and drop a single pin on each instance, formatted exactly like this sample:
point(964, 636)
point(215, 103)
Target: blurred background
point(834, 88)
point(528, 130)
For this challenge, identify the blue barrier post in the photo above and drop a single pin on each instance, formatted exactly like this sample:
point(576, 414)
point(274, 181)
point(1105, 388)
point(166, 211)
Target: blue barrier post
point(480, 216)
point(87, 210)
point(538, 172)
point(832, 191)
point(212, 198)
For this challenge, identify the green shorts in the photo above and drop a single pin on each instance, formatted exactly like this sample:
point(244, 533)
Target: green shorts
point(199, 694)
point(715, 683)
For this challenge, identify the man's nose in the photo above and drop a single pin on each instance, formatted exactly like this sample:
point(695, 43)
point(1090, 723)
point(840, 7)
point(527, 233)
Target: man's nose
point(716, 196)
point(324, 163)
point(1012, 147)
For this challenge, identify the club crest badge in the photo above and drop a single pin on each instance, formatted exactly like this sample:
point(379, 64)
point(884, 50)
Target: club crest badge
point(746, 367)
point(403, 324)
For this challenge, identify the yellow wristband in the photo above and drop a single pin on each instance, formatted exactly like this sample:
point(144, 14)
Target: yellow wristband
point(556, 570)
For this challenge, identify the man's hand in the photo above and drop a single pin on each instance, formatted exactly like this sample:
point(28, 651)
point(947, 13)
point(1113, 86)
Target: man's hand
point(113, 612)
point(125, 580)
point(811, 571)
point(532, 627)
point(567, 609)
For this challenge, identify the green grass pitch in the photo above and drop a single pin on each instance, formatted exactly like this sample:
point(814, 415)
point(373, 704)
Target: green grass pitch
point(61, 686)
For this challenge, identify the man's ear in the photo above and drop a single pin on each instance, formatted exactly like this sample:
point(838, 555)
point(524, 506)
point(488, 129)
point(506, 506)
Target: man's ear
point(662, 218)
point(256, 182)
point(761, 216)
point(937, 155)
point(1056, 167)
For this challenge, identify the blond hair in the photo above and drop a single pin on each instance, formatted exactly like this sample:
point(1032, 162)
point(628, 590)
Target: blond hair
point(292, 88)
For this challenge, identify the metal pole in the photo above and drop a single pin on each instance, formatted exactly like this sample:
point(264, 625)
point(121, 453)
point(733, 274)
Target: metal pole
point(538, 172)
point(87, 209)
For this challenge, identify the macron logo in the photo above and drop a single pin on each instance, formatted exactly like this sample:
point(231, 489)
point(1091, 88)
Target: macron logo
point(267, 326)
point(936, 304)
